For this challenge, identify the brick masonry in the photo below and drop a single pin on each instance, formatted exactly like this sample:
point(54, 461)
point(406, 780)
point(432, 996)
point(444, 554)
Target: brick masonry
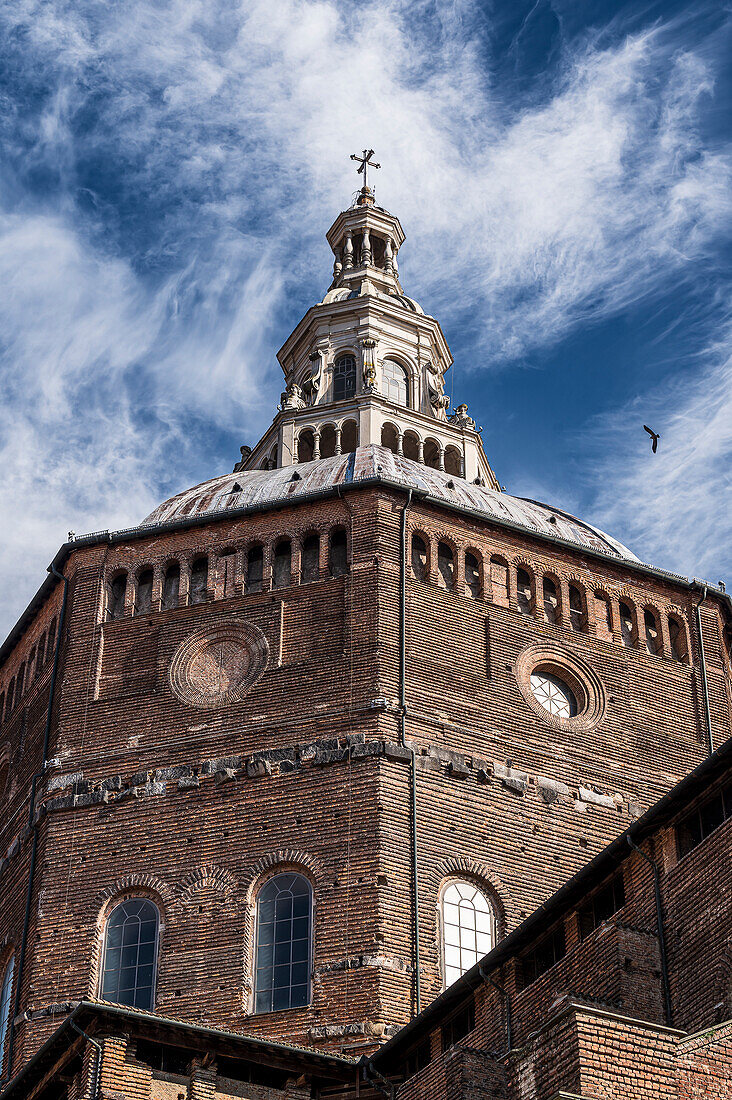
point(196, 807)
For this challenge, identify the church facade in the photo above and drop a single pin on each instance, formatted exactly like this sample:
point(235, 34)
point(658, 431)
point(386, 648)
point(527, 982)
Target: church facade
point(282, 766)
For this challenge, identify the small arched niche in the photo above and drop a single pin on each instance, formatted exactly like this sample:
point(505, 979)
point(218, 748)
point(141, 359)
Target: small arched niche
point(389, 437)
point(327, 441)
point(349, 437)
point(453, 462)
point(432, 454)
point(305, 445)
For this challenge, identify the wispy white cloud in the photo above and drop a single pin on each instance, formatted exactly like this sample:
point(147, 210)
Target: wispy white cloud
point(171, 168)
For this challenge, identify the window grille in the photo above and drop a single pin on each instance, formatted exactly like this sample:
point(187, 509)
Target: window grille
point(701, 822)
point(606, 901)
point(130, 954)
point(284, 944)
point(458, 1026)
point(543, 957)
point(394, 382)
point(468, 929)
point(344, 378)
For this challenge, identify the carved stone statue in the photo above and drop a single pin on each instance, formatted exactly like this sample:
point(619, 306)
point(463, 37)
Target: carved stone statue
point(461, 418)
point(293, 398)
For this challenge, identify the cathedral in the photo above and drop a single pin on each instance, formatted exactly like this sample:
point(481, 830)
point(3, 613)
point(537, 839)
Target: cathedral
point(347, 774)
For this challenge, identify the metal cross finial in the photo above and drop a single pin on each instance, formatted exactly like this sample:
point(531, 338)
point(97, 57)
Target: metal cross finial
point(363, 164)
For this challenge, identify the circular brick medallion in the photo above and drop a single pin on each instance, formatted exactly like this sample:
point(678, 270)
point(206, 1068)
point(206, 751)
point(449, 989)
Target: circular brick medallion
point(218, 664)
point(545, 664)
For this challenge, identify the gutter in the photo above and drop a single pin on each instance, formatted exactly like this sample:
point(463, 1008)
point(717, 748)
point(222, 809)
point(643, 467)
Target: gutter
point(413, 777)
point(94, 1087)
point(703, 666)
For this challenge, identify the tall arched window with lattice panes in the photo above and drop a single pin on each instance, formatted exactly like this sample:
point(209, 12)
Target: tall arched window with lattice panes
point(468, 922)
point(283, 944)
point(394, 382)
point(6, 994)
point(130, 954)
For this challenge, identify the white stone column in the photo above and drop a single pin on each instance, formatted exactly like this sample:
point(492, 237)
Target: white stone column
point(400, 443)
point(420, 451)
point(366, 248)
point(388, 258)
point(316, 444)
point(348, 250)
point(337, 440)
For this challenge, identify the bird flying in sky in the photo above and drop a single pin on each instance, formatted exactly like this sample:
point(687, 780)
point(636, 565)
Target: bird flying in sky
point(654, 436)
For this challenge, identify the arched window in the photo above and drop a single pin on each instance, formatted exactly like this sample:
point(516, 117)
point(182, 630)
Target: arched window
point(445, 566)
point(310, 559)
point(499, 582)
point(677, 638)
point(603, 617)
point(171, 586)
point(468, 929)
point(653, 634)
point(41, 655)
point(20, 684)
point(344, 377)
point(472, 575)
point(282, 570)
point(577, 618)
point(11, 698)
point(420, 566)
point(284, 944)
point(551, 601)
point(199, 580)
point(255, 568)
point(115, 598)
point(144, 592)
point(130, 954)
point(394, 382)
point(523, 592)
point(626, 625)
point(6, 993)
point(338, 553)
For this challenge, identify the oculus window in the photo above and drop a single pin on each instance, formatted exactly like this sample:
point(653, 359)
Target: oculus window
point(553, 694)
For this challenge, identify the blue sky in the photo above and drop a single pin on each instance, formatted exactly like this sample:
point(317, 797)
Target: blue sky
point(562, 171)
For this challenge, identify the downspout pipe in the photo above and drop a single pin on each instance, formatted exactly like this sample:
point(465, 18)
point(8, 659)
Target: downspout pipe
point(703, 663)
point(661, 932)
point(373, 1077)
point(94, 1090)
point(403, 738)
point(506, 1003)
point(32, 825)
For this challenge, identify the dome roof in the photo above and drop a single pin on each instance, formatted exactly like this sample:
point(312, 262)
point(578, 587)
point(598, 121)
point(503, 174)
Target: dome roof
point(258, 488)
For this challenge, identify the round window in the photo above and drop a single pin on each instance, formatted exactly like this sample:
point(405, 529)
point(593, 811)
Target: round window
point(553, 694)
